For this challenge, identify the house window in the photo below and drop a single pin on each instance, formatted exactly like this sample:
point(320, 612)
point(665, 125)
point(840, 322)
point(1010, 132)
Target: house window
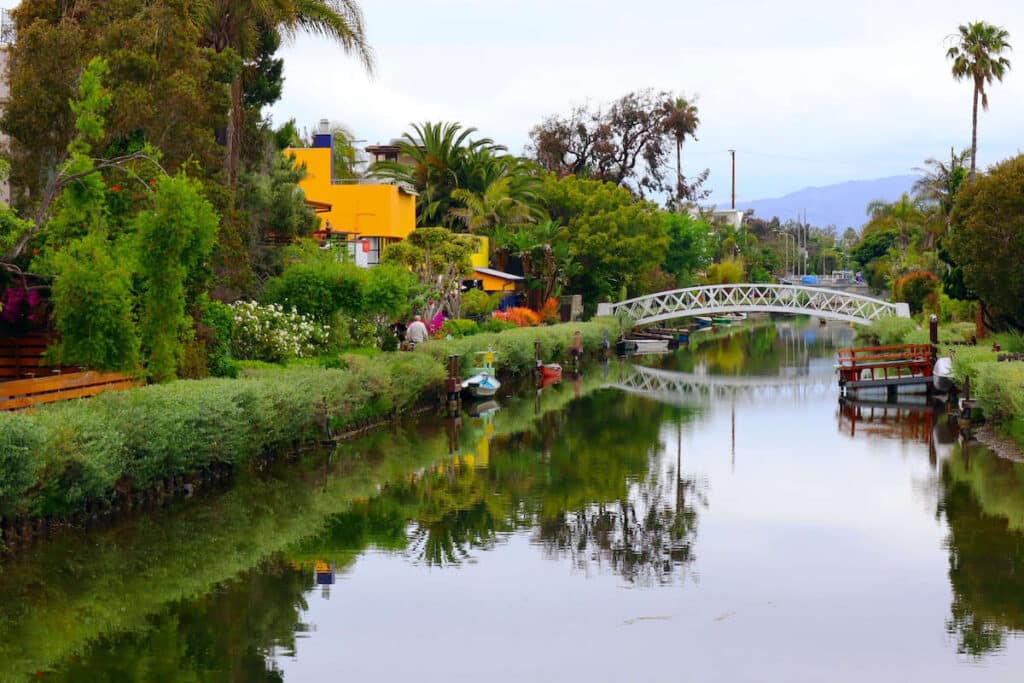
point(373, 255)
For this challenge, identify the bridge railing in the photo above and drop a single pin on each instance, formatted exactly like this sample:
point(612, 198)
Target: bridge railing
point(711, 299)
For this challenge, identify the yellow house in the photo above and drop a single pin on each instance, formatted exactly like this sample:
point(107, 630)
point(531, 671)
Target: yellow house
point(491, 280)
point(375, 214)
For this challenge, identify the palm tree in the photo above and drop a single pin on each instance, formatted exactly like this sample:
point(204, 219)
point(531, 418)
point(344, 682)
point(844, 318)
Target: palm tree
point(236, 25)
point(977, 55)
point(939, 182)
point(497, 205)
point(904, 214)
point(441, 158)
point(681, 119)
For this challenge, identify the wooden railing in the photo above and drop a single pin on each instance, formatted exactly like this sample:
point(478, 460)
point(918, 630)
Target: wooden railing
point(26, 393)
point(900, 360)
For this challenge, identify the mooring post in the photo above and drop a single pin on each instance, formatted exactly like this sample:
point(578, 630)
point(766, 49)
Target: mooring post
point(453, 386)
point(576, 352)
point(537, 356)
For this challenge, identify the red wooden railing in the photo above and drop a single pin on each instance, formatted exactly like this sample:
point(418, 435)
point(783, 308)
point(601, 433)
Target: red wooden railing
point(900, 360)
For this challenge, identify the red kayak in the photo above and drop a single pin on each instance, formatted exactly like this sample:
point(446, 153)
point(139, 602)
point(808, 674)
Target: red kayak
point(551, 371)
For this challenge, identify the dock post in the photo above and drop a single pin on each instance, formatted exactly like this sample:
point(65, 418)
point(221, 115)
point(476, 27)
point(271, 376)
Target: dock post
point(453, 387)
point(537, 357)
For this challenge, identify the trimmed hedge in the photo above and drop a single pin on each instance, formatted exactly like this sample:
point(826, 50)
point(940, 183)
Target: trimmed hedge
point(58, 459)
point(514, 348)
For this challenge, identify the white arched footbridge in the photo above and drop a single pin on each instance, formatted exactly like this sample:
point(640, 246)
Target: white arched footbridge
point(750, 298)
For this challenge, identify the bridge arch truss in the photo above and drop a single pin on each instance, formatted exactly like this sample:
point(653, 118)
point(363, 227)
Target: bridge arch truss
point(751, 298)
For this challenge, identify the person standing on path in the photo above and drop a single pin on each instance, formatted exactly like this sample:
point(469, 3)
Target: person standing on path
point(417, 331)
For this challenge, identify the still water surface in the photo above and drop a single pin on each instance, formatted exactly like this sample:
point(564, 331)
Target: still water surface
point(712, 516)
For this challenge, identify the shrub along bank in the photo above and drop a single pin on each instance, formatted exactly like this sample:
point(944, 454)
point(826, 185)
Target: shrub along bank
point(514, 348)
point(60, 459)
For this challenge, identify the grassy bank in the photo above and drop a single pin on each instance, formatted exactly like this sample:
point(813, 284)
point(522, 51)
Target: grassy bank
point(62, 459)
point(998, 387)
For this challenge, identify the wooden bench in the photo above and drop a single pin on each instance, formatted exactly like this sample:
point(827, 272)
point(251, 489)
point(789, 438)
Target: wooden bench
point(25, 393)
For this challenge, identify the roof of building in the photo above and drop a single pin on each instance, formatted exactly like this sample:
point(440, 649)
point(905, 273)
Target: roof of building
point(497, 273)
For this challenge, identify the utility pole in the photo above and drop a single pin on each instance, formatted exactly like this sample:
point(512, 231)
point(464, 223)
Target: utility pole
point(732, 153)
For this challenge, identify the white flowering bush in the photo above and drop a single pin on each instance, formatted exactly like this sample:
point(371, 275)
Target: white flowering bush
point(271, 333)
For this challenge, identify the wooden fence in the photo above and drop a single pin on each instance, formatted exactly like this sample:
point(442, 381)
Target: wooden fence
point(26, 393)
point(22, 357)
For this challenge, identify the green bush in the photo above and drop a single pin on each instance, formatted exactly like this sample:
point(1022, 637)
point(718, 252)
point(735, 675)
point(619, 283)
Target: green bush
point(318, 288)
point(886, 331)
point(19, 440)
point(219, 319)
point(514, 347)
point(92, 308)
point(460, 327)
point(999, 387)
point(967, 359)
point(477, 302)
point(497, 325)
point(955, 310)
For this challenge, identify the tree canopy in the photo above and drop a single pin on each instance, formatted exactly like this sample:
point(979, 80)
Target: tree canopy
point(987, 240)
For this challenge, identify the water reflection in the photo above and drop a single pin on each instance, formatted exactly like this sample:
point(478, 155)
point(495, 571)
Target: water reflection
point(983, 505)
point(581, 489)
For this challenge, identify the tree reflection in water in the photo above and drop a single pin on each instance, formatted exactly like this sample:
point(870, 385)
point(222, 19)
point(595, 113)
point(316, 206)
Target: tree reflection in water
point(983, 503)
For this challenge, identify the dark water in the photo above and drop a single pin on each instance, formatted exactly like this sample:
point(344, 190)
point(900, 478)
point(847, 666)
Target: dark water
point(712, 516)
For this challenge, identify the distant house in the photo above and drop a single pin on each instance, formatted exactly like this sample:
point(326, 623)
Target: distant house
point(733, 217)
point(369, 214)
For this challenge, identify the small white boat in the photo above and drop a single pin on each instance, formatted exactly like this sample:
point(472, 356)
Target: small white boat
point(942, 375)
point(650, 345)
point(482, 385)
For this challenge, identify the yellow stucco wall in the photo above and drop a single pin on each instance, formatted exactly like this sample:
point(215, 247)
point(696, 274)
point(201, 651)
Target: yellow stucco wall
point(481, 257)
point(489, 283)
point(370, 210)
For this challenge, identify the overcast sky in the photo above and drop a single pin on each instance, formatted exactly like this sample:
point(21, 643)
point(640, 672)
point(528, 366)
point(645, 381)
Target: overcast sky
point(809, 92)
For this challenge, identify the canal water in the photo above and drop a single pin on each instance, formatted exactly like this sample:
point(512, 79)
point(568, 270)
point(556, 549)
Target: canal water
point(713, 515)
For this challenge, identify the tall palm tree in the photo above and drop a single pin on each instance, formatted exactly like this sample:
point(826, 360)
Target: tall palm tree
point(977, 55)
point(236, 24)
point(681, 119)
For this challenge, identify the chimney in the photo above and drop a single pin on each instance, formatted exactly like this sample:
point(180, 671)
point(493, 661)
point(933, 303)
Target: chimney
point(323, 137)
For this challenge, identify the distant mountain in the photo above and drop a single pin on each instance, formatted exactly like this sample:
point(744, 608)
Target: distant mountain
point(842, 205)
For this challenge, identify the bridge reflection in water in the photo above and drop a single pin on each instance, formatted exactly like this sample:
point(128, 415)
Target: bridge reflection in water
point(684, 388)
